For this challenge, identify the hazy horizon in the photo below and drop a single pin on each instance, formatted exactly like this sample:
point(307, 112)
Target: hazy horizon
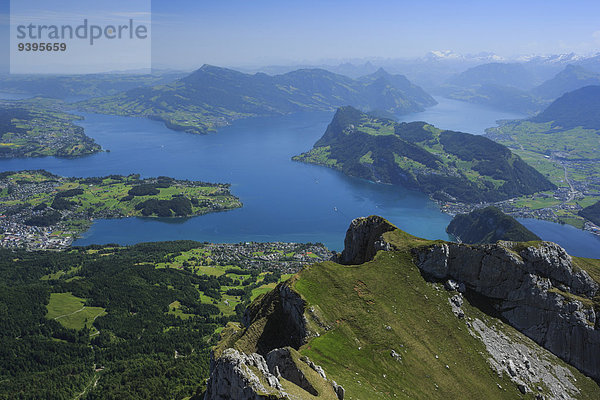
point(187, 34)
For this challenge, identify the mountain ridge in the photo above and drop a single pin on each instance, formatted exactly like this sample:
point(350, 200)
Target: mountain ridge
point(212, 96)
point(580, 107)
point(385, 328)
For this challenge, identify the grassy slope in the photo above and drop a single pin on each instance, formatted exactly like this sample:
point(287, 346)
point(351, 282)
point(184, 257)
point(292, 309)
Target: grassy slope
point(360, 301)
point(71, 312)
point(363, 300)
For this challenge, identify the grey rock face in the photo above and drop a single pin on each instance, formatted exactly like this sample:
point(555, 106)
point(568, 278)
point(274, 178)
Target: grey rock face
point(287, 324)
point(456, 303)
point(281, 360)
point(234, 376)
point(529, 366)
point(339, 390)
point(532, 288)
point(364, 239)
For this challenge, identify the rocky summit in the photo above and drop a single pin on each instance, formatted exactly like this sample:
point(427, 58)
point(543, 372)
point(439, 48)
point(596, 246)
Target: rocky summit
point(396, 316)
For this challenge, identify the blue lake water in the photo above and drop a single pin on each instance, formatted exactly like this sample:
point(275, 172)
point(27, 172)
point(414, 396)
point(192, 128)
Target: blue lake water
point(283, 200)
point(461, 116)
point(577, 242)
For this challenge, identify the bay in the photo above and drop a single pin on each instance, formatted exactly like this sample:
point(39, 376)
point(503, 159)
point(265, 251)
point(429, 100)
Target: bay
point(283, 200)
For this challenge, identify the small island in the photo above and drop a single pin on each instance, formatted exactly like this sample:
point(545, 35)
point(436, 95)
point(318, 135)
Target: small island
point(39, 210)
point(488, 225)
point(40, 127)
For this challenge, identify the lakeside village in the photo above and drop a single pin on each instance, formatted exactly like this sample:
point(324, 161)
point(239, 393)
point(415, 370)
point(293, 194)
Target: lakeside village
point(287, 258)
point(561, 204)
point(16, 233)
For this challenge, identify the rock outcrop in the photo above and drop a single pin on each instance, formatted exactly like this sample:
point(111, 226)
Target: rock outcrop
point(537, 289)
point(280, 317)
point(236, 375)
point(364, 239)
point(274, 327)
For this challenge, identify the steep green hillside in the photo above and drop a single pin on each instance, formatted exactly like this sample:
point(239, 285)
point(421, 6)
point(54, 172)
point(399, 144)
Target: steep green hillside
point(449, 165)
point(488, 225)
point(212, 97)
point(592, 213)
point(579, 108)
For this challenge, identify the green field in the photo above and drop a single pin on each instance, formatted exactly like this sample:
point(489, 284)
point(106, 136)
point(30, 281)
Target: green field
point(198, 261)
point(547, 138)
point(71, 311)
point(553, 150)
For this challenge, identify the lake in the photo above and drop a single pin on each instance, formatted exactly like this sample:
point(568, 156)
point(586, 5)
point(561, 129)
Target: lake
point(283, 200)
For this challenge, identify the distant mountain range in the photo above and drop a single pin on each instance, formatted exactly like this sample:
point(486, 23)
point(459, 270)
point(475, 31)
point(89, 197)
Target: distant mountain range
point(450, 166)
point(502, 74)
point(68, 87)
point(571, 78)
point(211, 96)
point(520, 87)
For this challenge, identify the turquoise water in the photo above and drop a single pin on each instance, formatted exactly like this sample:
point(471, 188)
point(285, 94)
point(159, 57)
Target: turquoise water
point(283, 200)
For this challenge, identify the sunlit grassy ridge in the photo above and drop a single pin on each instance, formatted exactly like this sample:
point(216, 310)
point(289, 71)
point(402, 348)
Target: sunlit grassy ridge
point(386, 307)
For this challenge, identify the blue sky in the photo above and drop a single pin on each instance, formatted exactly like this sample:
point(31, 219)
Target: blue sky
point(188, 33)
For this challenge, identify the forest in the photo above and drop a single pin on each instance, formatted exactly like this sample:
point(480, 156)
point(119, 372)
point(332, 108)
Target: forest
point(138, 346)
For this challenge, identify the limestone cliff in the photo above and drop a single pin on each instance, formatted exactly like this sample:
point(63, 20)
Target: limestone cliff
point(364, 239)
point(538, 289)
point(259, 360)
